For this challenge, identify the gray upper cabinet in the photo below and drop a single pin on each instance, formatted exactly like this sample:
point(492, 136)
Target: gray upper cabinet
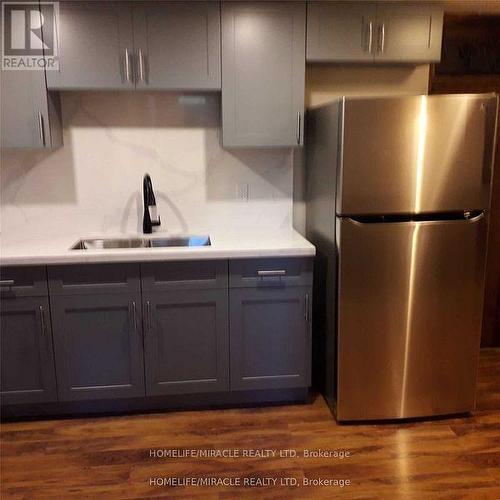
point(374, 32)
point(186, 341)
point(409, 33)
point(95, 44)
point(144, 45)
point(27, 358)
point(340, 32)
point(177, 45)
point(30, 116)
point(263, 68)
point(270, 337)
point(98, 346)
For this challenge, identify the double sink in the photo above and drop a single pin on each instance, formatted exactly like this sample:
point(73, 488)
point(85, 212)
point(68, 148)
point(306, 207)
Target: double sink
point(123, 243)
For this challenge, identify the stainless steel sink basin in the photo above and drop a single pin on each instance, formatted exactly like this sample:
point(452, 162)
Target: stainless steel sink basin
point(111, 244)
point(122, 243)
point(184, 241)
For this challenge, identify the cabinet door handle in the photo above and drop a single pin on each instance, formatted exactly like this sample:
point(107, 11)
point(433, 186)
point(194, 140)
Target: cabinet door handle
point(148, 317)
point(8, 283)
point(142, 73)
point(306, 308)
point(134, 316)
point(43, 328)
point(41, 129)
point(128, 73)
point(370, 37)
point(298, 126)
point(382, 38)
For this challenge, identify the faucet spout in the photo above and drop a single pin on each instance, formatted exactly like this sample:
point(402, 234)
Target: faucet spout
point(149, 204)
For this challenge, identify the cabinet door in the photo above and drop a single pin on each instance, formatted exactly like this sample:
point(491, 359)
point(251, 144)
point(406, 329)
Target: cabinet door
point(263, 67)
point(95, 44)
point(186, 342)
point(177, 45)
point(30, 117)
point(270, 337)
point(409, 33)
point(27, 358)
point(340, 32)
point(98, 346)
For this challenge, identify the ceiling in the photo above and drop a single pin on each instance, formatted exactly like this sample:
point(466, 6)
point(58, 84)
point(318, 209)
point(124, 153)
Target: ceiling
point(472, 6)
point(457, 6)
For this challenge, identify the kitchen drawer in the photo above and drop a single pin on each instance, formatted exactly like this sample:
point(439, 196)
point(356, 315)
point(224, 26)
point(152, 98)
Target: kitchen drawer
point(94, 278)
point(184, 275)
point(26, 281)
point(296, 271)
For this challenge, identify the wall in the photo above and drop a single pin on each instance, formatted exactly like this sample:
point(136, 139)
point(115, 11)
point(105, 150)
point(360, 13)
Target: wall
point(463, 28)
point(94, 183)
point(325, 82)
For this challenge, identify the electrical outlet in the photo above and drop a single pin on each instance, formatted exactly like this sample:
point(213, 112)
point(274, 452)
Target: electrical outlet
point(243, 191)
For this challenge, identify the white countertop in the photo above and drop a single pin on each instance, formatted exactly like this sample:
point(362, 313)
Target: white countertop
point(28, 250)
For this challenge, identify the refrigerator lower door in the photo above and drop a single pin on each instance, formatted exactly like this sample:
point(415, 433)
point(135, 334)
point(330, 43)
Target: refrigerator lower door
point(409, 317)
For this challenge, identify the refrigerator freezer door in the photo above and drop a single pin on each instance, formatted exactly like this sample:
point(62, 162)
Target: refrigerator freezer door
point(419, 154)
point(409, 317)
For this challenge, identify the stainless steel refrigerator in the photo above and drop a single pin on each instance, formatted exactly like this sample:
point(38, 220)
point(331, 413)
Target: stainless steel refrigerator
point(398, 191)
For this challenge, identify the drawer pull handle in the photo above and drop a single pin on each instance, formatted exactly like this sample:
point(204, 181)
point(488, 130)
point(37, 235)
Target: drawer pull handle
point(275, 272)
point(6, 282)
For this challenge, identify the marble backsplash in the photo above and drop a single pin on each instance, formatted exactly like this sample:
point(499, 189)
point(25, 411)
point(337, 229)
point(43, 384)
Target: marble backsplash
point(93, 184)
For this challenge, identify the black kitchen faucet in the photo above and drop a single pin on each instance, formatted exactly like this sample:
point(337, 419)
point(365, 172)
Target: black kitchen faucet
point(149, 204)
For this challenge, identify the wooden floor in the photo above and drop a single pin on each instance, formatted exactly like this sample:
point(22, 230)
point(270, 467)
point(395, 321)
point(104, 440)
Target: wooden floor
point(110, 457)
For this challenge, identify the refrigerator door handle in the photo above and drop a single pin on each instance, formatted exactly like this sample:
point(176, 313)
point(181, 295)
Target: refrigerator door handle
point(471, 217)
point(465, 217)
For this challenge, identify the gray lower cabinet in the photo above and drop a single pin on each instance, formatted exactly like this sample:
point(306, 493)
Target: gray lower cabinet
point(186, 341)
point(30, 116)
point(98, 346)
point(270, 337)
point(128, 330)
point(263, 71)
point(27, 358)
point(177, 45)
